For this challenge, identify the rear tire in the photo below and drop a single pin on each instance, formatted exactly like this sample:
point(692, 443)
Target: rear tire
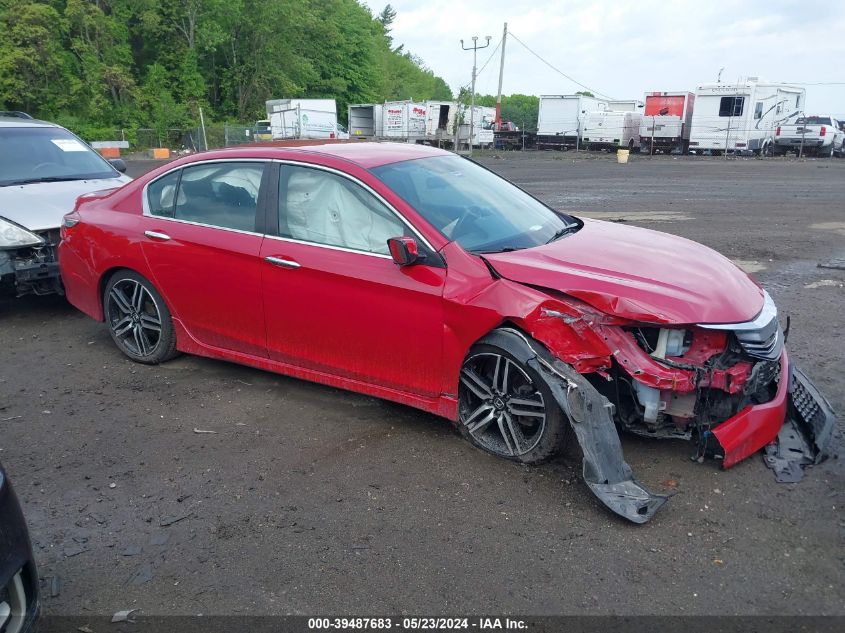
point(505, 408)
point(138, 319)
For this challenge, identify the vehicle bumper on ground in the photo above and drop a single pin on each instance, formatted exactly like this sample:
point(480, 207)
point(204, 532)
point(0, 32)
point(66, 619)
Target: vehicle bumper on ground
point(795, 427)
point(19, 605)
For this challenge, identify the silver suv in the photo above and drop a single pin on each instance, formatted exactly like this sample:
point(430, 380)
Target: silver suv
point(43, 169)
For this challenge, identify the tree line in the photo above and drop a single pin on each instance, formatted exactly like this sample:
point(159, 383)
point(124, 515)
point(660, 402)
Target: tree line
point(154, 63)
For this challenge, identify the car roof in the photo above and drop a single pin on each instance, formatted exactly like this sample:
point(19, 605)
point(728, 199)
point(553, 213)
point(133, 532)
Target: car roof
point(365, 154)
point(14, 121)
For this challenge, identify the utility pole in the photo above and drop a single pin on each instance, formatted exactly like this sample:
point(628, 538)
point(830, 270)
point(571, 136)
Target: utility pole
point(501, 73)
point(474, 48)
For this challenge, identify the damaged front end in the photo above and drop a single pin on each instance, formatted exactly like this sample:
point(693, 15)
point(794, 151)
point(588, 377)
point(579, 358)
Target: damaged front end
point(730, 389)
point(28, 261)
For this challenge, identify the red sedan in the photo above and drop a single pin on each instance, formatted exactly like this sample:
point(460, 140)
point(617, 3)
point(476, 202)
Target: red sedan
point(415, 275)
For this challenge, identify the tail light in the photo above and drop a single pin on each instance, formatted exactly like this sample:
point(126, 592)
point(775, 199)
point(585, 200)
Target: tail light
point(777, 131)
point(823, 131)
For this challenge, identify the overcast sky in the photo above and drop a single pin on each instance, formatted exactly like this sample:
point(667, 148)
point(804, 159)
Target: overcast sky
point(624, 48)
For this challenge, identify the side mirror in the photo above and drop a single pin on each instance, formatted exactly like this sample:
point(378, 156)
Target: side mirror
point(119, 164)
point(403, 250)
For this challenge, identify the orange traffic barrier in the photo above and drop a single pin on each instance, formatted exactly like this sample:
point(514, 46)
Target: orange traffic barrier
point(161, 153)
point(110, 152)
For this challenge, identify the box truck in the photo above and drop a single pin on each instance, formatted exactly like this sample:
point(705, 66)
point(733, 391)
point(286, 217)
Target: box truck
point(665, 125)
point(366, 120)
point(303, 119)
point(561, 118)
point(611, 130)
point(404, 120)
point(742, 117)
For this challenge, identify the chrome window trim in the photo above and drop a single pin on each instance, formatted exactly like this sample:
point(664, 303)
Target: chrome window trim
point(145, 203)
point(291, 240)
point(768, 312)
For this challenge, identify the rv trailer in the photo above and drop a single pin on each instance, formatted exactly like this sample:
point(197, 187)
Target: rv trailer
point(742, 117)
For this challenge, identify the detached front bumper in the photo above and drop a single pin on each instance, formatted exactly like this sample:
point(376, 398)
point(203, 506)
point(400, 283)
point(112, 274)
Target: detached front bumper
point(795, 427)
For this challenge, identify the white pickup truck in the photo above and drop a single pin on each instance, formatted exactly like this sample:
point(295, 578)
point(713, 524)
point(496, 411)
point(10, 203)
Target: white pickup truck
point(817, 135)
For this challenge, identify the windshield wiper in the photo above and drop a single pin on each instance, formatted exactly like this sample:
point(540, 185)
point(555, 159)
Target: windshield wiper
point(504, 249)
point(30, 181)
point(561, 232)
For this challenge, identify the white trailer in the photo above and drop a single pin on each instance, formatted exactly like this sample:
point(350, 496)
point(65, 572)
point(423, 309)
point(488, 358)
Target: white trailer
point(742, 117)
point(608, 129)
point(666, 122)
point(366, 120)
point(625, 105)
point(560, 119)
point(404, 120)
point(440, 118)
point(303, 118)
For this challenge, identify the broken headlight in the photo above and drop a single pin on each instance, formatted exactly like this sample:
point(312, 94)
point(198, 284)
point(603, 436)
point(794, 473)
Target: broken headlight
point(15, 236)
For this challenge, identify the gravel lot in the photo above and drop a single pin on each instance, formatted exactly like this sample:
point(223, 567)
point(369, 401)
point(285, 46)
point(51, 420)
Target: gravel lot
point(307, 499)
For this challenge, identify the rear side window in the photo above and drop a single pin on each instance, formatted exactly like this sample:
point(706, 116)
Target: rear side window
point(217, 194)
point(161, 194)
point(731, 106)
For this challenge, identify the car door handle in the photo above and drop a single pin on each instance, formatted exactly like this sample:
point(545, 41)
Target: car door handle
point(155, 235)
point(282, 263)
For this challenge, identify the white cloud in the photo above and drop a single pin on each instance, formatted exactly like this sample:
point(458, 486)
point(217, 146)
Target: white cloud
point(626, 48)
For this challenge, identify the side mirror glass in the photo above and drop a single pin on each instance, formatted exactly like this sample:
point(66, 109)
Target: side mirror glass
point(403, 250)
point(119, 164)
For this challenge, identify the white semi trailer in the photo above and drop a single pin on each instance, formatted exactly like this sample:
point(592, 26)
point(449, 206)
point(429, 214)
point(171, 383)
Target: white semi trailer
point(366, 120)
point(742, 117)
point(303, 119)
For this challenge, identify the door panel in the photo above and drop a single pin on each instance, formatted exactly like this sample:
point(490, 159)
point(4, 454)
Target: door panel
point(353, 314)
point(334, 300)
point(209, 275)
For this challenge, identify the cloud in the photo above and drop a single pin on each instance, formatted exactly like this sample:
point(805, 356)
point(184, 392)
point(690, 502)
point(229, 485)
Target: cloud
point(627, 48)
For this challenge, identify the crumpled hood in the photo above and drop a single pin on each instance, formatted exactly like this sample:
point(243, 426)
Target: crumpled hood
point(638, 274)
point(41, 206)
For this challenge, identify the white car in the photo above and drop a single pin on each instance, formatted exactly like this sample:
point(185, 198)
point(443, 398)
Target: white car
point(43, 169)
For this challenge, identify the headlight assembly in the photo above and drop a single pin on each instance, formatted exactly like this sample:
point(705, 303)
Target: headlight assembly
point(15, 236)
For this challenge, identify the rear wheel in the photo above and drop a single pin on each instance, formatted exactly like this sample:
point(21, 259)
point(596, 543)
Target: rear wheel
point(506, 409)
point(138, 319)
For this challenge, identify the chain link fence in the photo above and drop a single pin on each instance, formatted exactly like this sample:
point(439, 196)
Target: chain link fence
point(177, 140)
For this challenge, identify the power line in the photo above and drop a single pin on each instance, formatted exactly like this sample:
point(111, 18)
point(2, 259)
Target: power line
point(557, 70)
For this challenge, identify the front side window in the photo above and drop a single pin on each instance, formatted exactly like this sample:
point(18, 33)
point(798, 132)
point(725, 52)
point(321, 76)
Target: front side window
point(324, 208)
point(47, 154)
point(731, 106)
point(218, 194)
point(473, 206)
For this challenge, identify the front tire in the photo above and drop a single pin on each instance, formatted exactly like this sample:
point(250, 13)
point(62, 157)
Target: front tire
point(138, 319)
point(506, 408)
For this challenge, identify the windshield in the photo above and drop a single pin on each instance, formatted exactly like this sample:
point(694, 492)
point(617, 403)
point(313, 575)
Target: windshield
point(472, 206)
point(262, 127)
point(45, 154)
point(813, 120)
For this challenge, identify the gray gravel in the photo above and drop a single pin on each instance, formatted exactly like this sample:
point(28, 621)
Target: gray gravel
point(311, 500)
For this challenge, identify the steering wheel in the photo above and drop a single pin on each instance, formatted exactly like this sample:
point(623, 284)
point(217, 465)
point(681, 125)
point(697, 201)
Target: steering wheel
point(41, 166)
point(468, 222)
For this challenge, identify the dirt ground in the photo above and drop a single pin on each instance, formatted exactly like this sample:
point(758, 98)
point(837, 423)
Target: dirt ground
point(310, 500)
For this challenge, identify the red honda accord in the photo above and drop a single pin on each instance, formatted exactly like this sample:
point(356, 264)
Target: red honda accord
point(415, 275)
